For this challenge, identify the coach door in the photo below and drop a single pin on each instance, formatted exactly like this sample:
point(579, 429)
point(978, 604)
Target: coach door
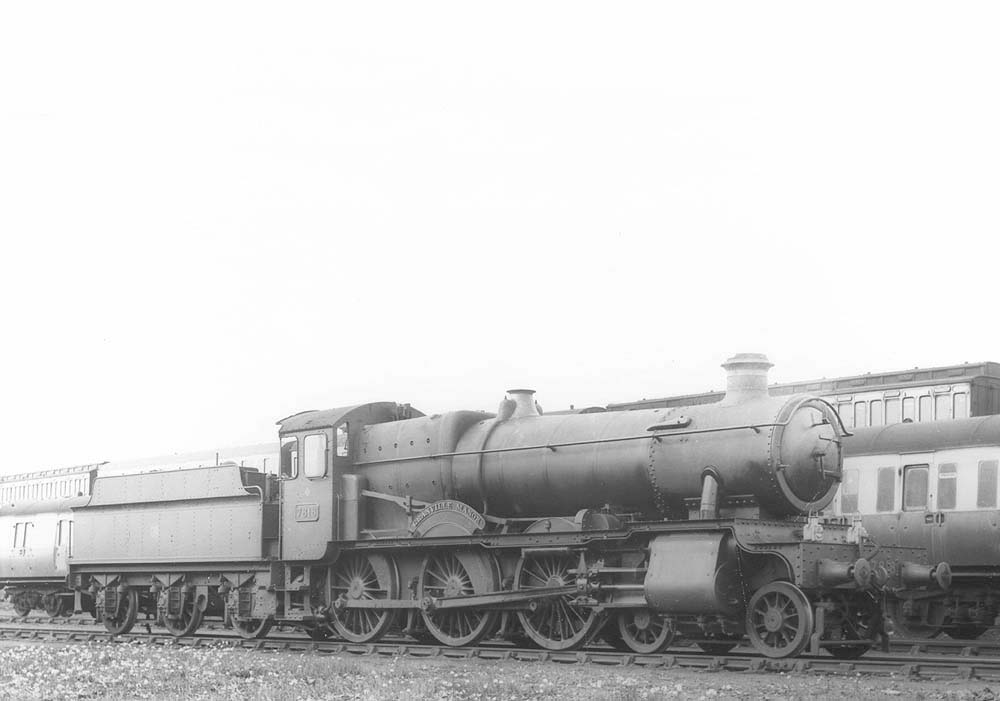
point(960, 528)
point(915, 514)
point(64, 544)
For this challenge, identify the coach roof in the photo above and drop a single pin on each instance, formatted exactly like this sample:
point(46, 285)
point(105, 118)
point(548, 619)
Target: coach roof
point(924, 437)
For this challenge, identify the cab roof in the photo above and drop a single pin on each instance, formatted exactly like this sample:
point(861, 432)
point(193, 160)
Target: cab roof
point(371, 413)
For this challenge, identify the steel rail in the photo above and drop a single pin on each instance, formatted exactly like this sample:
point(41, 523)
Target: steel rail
point(945, 647)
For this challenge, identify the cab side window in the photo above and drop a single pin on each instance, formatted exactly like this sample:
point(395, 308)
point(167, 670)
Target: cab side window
point(343, 441)
point(915, 487)
point(289, 458)
point(314, 450)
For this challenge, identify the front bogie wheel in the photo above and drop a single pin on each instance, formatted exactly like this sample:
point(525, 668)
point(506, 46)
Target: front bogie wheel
point(779, 620)
point(644, 631)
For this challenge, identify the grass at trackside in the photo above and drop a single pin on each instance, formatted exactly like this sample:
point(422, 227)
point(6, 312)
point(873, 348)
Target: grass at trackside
point(60, 672)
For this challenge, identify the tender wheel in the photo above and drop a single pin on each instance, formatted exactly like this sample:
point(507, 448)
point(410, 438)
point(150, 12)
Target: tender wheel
point(645, 631)
point(187, 622)
point(555, 624)
point(121, 620)
point(54, 604)
point(922, 621)
point(452, 574)
point(21, 606)
point(779, 620)
point(857, 617)
point(253, 628)
point(363, 577)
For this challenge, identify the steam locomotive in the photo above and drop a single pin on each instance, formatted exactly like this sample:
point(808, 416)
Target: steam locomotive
point(551, 530)
point(933, 485)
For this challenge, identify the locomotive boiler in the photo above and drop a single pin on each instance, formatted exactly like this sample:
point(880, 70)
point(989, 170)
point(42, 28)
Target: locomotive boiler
point(548, 529)
point(784, 453)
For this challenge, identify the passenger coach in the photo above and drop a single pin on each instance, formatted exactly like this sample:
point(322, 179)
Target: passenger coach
point(934, 486)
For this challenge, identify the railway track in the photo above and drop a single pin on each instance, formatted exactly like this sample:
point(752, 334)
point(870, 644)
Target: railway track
point(914, 647)
point(921, 661)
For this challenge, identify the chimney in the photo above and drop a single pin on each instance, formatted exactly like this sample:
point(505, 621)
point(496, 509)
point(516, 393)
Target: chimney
point(524, 403)
point(747, 377)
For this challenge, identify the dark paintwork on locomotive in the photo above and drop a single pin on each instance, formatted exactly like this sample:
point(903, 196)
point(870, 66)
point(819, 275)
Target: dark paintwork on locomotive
point(610, 458)
point(597, 502)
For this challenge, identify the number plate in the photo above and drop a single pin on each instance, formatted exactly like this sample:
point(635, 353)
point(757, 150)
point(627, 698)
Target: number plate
point(307, 512)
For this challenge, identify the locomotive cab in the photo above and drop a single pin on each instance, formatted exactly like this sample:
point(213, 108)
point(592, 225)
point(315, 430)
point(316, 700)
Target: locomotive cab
point(317, 484)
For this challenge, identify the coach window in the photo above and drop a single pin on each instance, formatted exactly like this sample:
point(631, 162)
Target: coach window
point(21, 534)
point(892, 415)
point(289, 458)
point(909, 409)
point(987, 497)
point(343, 445)
point(926, 408)
point(946, 490)
point(886, 498)
point(961, 405)
point(314, 450)
point(876, 412)
point(861, 414)
point(849, 492)
point(915, 487)
point(846, 412)
point(942, 406)
point(64, 536)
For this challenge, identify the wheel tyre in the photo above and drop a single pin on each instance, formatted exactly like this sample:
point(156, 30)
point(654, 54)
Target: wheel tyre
point(363, 576)
point(122, 620)
point(556, 624)
point(779, 620)
point(188, 622)
point(54, 604)
point(645, 632)
point(454, 574)
point(966, 631)
point(254, 628)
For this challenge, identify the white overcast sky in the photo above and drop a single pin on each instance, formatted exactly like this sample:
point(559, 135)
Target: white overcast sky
point(214, 215)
